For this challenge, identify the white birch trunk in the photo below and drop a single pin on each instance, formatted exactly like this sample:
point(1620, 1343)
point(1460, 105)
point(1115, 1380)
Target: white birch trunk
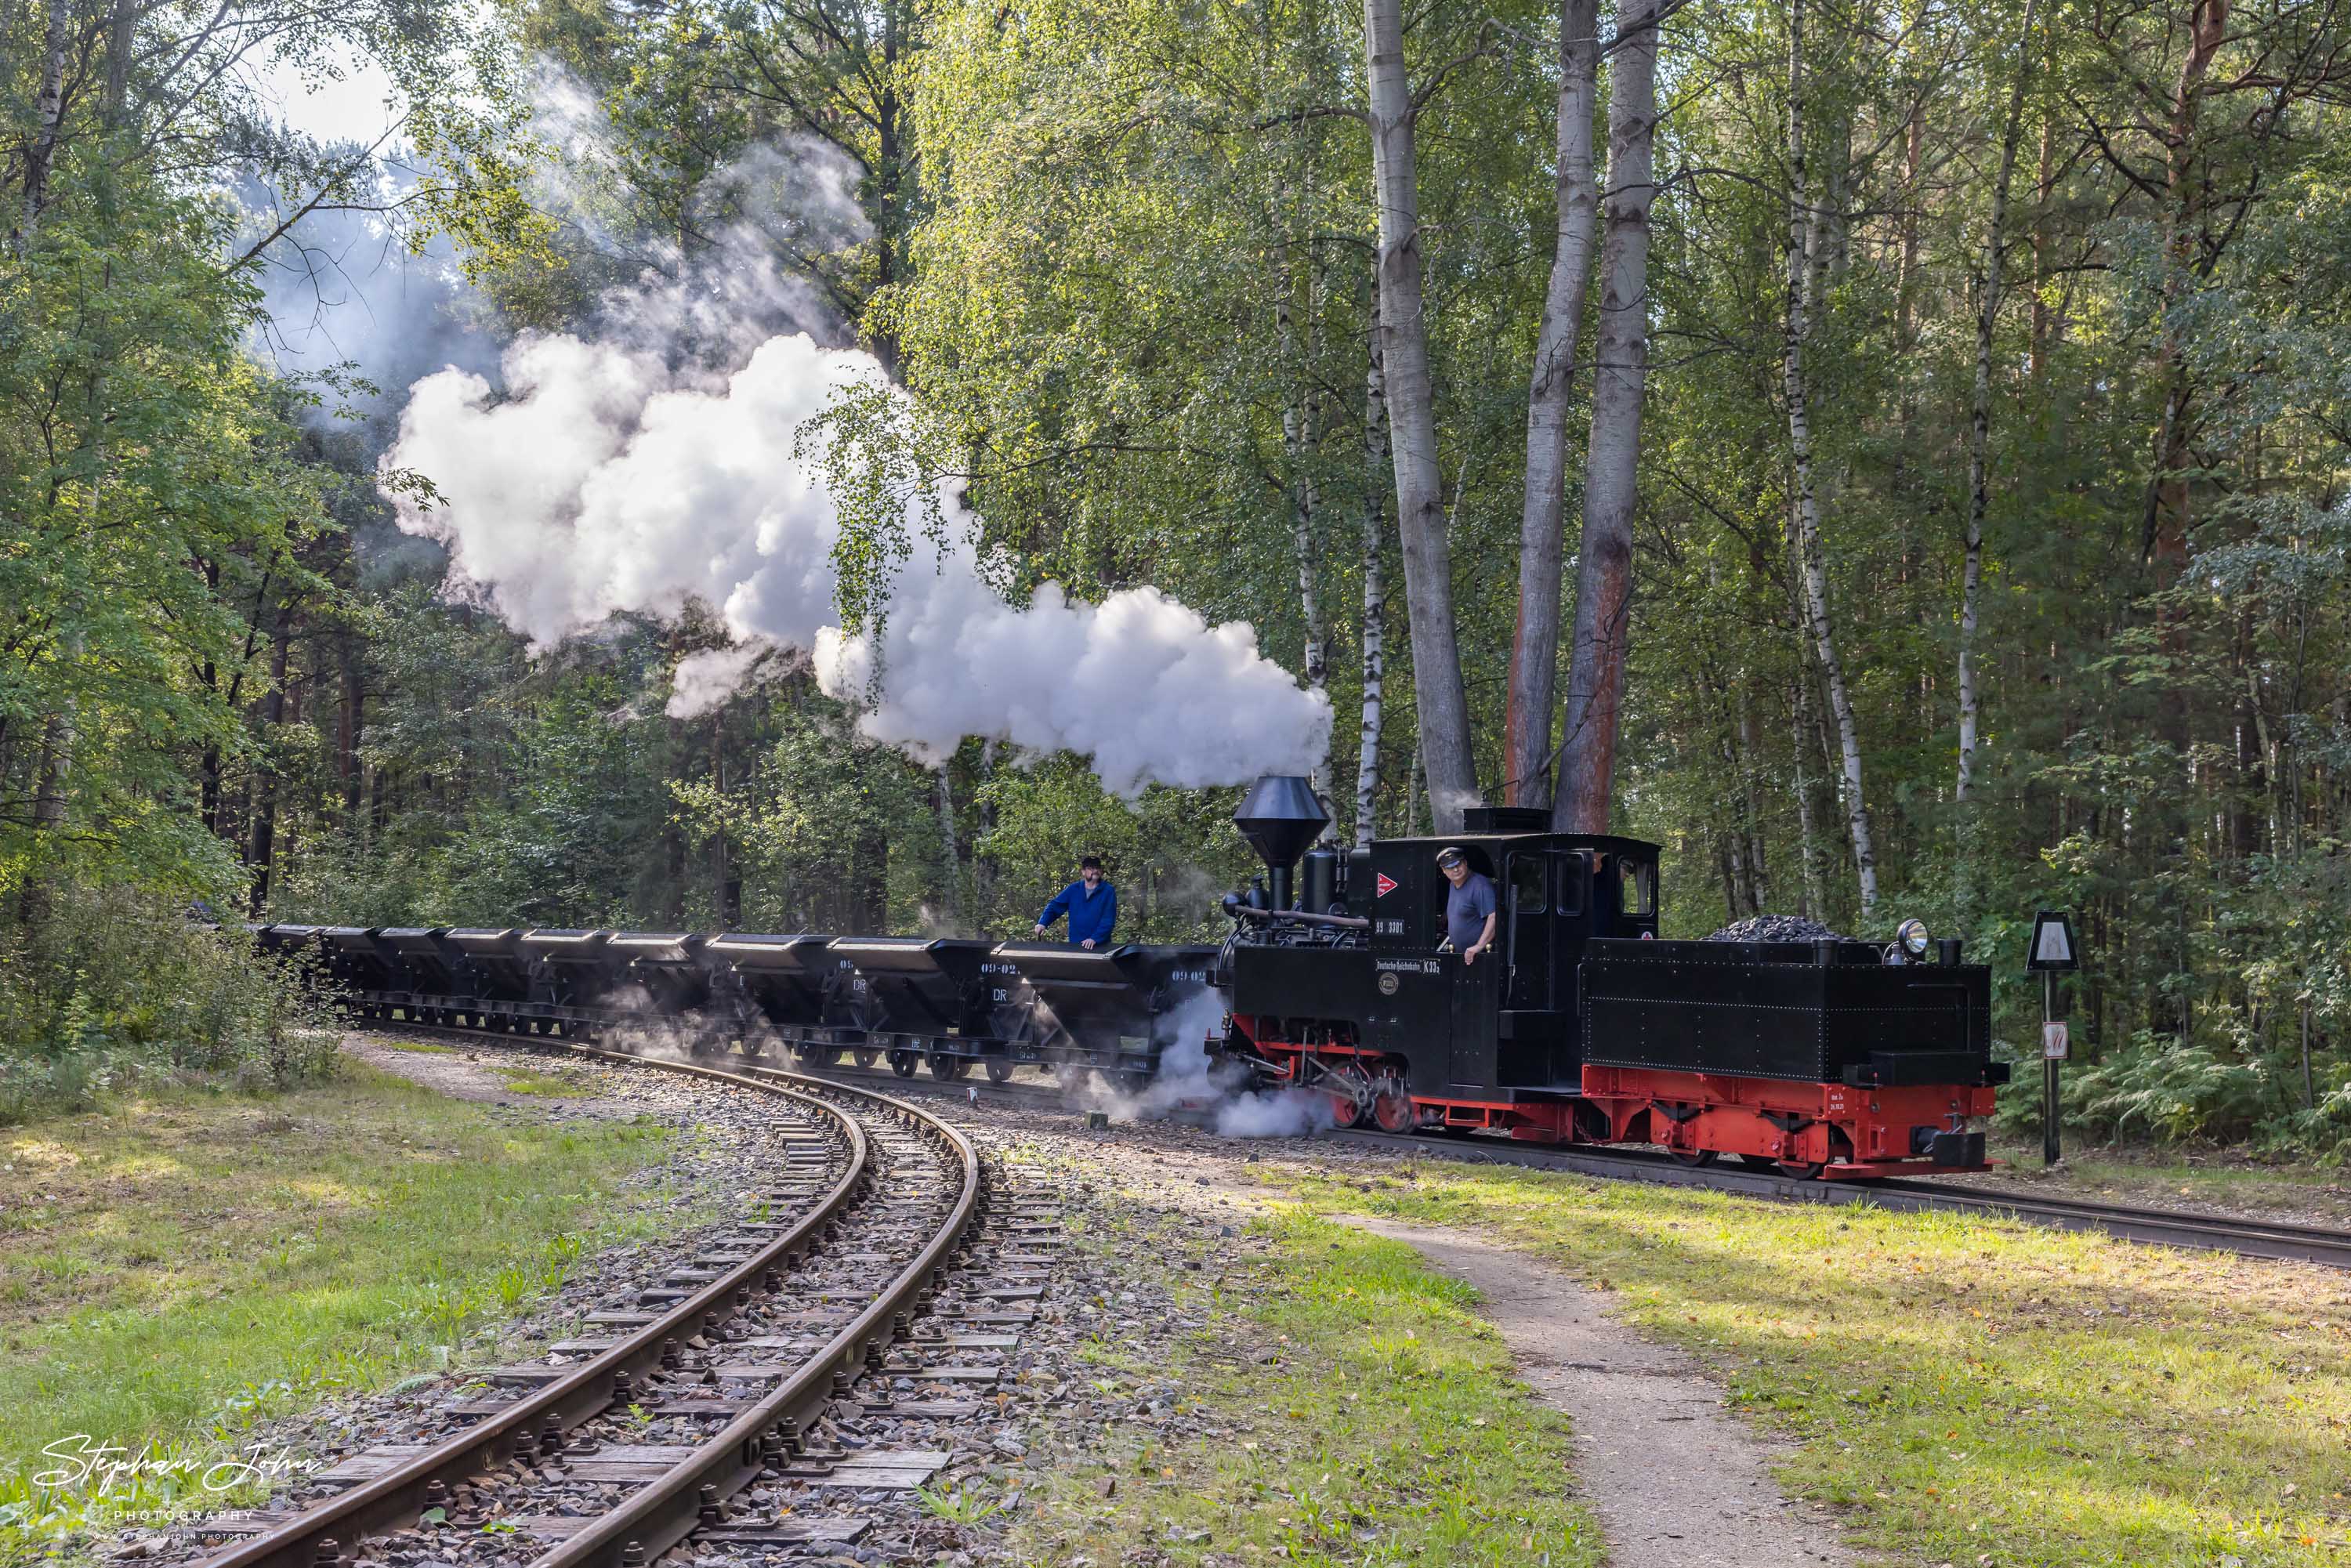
point(1534, 657)
point(1443, 705)
point(48, 119)
point(1375, 483)
point(1604, 579)
point(1299, 436)
point(1802, 225)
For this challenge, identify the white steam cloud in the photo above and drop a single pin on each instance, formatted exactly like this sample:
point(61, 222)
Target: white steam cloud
point(1190, 1080)
point(607, 482)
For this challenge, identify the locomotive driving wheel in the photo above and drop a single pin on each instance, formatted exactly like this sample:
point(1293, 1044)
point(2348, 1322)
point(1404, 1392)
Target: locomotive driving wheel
point(1351, 1093)
point(1693, 1157)
point(1802, 1170)
point(1391, 1107)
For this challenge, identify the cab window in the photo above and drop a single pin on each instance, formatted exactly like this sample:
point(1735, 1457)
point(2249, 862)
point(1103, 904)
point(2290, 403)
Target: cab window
point(1637, 891)
point(1571, 869)
point(1527, 885)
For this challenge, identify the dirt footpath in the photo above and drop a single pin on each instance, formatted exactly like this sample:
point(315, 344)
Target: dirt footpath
point(1677, 1480)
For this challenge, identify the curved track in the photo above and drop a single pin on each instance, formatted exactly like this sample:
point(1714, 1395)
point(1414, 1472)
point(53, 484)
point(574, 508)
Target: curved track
point(880, 1182)
point(2170, 1228)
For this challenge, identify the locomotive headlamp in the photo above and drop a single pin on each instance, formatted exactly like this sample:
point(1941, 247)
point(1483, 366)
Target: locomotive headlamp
point(1912, 936)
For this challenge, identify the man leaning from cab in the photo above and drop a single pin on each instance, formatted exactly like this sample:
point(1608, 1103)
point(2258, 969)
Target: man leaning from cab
point(1469, 907)
point(1091, 905)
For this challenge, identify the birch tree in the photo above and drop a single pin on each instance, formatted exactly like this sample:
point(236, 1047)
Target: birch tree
point(1442, 703)
point(1375, 603)
point(1603, 581)
point(1534, 656)
point(1803, 227)
point(1301, 433)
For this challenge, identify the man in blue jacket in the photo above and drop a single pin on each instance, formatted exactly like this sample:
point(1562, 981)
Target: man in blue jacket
point(1090, 904)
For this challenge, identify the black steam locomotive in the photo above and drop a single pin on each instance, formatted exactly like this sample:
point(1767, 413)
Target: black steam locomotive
point(1835, 1059)
point(1840, 1058)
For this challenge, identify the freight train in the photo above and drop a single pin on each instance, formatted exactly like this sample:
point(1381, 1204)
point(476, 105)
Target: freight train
point(1836, 1058)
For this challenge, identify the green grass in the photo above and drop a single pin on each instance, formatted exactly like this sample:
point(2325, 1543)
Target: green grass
point(421, 1047)
point(1971, 1392)
point(177, 1268)
point(1390, 1429)
point(551, 1085)
point(2314, 1194)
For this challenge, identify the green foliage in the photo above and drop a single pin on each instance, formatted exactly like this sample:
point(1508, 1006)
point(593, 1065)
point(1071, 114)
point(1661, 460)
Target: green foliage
point(1120, 252)
point(114, 987)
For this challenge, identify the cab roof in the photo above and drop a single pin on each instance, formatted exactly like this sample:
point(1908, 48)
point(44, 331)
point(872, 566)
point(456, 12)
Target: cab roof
point(1609, 843)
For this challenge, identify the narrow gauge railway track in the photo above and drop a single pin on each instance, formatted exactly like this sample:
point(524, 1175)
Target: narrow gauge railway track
point(2169, 1227)
point(733, 1360)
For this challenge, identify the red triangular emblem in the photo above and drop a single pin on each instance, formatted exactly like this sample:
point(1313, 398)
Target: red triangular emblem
point(1385, 884)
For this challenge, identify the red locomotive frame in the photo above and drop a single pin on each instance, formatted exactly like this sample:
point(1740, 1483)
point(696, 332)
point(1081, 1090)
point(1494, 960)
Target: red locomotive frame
point(1832, 1130)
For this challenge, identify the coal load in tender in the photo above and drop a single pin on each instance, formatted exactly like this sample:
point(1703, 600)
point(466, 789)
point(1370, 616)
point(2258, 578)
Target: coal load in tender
point(1777, 928)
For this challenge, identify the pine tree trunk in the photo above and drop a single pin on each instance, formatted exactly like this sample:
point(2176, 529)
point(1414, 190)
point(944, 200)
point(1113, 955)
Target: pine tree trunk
point(1990, 286)
point(53, 769)
point(349, 770)
point(1443, 704)
point(1603, 581)
point(1375, 538)
point(2044, 184)
point(950, 854)
point(121, 33)
point(1815, 883)
point(2164, 542)
point(1802, 224)
point(1534, 654)
point(263, 845)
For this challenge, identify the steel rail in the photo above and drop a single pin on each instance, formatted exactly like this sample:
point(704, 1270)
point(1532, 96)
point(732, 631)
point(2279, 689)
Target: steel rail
point(2160, 1227)
point(657, 1517)
point(2156, 1227)
point(579, 1395)
point(538, 1418)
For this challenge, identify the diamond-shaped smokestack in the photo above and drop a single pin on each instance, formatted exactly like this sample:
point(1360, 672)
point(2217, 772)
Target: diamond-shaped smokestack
point(1279, 817)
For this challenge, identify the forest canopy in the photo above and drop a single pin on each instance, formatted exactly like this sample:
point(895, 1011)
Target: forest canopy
point(1894, 459)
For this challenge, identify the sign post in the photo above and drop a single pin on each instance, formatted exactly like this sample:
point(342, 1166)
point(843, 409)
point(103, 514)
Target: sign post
point(2052, 949)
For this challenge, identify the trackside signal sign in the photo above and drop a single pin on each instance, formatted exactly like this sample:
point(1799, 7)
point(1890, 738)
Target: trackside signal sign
point(1385, 884)
point(2052, 943)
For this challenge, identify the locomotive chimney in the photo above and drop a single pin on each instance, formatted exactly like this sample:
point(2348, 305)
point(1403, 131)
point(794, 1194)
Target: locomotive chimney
point(1279, 817)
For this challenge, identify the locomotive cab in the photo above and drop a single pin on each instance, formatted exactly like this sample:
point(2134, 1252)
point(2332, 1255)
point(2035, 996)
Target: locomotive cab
point(1375, 1006)
point(1509, 1020)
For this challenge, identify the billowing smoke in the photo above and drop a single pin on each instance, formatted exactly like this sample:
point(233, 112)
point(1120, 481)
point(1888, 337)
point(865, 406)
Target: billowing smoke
point(703, 681)
point(608, 481)
point(1191, 1081)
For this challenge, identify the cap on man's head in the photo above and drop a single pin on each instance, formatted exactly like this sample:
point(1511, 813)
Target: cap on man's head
point(1092, 862)
point(1450, 856)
